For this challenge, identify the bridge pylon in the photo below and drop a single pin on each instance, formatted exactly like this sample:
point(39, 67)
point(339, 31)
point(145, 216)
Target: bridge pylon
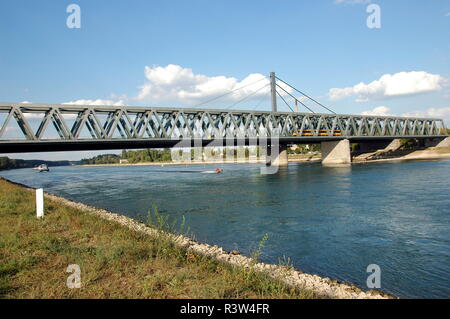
point(273, 91)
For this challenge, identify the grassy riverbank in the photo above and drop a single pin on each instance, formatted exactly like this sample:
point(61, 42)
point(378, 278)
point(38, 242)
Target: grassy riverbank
point(115, 261)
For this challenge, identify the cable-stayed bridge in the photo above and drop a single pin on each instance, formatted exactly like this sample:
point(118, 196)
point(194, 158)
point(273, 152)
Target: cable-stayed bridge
point(50, 127)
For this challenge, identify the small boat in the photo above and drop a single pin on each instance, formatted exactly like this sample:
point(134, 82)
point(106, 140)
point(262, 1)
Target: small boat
point(216, 171)
point(41, 168)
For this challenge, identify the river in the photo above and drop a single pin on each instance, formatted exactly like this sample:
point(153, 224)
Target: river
point(333, 222)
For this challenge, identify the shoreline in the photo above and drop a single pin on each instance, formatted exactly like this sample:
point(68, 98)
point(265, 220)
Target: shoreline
point(427, 154)
point(254, 161)
point(322, 286)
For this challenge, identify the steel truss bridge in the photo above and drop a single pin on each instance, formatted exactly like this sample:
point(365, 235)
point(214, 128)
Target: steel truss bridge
point(48, 127)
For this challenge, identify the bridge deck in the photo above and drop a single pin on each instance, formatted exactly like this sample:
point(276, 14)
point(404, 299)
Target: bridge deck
point(44, 127)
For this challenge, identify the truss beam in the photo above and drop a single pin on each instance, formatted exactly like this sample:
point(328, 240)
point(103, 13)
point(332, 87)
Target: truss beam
point(34, 122)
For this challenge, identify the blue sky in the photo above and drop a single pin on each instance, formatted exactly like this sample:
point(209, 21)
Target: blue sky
point(125, 51)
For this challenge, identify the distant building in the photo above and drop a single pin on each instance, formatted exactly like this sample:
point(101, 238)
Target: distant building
point(123, 161)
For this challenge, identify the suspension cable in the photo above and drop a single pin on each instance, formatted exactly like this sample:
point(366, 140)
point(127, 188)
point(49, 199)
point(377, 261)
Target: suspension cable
point(220, 96)
point(284, 101)
point(263, 97)
point(250, 95)
point(306, 95)
point(296, 99)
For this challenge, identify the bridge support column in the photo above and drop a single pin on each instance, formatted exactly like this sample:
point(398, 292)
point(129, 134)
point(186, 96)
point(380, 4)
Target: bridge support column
point(280, 159)
point(437, 142)
point(336, 152)
point(283, 156)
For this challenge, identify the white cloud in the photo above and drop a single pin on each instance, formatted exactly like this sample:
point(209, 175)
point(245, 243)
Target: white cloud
point(31, 116)
point(378, 111)
point(11, 129)
point(391, 85)
point(176, 84)
point(441, 113)
point(448, 14)
point(434, 112)
point(96, 102)
point(40, 116)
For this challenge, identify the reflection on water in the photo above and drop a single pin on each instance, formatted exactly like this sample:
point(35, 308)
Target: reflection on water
point(332, 221)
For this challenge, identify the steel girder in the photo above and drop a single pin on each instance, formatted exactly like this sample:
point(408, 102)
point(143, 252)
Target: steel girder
point(82, 122)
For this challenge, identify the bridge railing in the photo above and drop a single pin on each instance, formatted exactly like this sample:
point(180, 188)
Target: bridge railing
point(37, 122)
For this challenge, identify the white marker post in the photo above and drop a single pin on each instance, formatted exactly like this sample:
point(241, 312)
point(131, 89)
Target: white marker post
point(40, 203)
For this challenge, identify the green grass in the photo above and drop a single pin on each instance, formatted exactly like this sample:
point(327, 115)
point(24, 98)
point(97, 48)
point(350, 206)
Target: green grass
point(115, 261)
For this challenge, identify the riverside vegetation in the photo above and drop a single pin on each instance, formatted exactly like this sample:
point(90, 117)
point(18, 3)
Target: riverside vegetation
point(9, 163)
point(165, 155)
point(115, 261)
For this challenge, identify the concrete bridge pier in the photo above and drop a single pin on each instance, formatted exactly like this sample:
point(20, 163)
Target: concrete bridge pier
point(279, 158)
point(337, 152)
